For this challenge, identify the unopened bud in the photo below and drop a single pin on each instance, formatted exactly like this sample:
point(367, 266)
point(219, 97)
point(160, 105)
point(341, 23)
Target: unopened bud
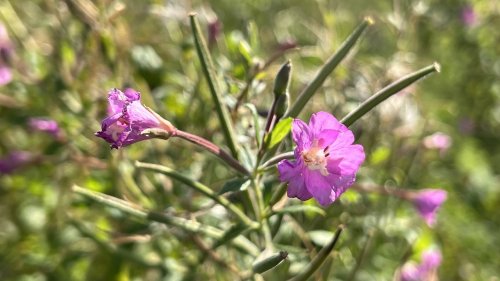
point(282, 80)
point(265, 264)
point(282, 104)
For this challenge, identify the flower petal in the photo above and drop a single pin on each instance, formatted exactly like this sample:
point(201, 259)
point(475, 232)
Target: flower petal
point(116, 101)
point(301, 134)
point(345, 161)
point(319, 187)
point(292, 173)
point(139, 117)
point(427, 202)
point(325, 121)
point(5, 75)
point(327, 137)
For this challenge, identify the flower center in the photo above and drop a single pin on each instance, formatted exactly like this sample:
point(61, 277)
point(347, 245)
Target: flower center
point(315, 158)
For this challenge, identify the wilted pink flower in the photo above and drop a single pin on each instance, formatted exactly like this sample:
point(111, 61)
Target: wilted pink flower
point(5, 54)
point(425, 271)
point(14, 161)
point(326, 161)
point(128, 118)
point(468, 16)
point(45, 125)
point(438, 140)
point(427, 203)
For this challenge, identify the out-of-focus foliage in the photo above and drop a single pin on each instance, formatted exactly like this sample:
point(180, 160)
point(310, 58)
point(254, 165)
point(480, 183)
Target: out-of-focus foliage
point(68, 54)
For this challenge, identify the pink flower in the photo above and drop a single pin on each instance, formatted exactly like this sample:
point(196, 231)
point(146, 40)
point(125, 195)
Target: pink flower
point(425, 271)
point(214, 31)
point(468, 16)
point(128, 118)
point(15, 160)
point(439, 141)
point(45, 125)
point(427, 203)
point(5, 56)
point(326, 161)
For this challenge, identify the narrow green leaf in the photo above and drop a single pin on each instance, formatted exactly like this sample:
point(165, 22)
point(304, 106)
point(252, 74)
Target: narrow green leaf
point(302, 209)
point(233, 232)
point(256, 124)
point(213, 83)
point(279, 132)
point(387, 92)
point(277, 195)
point(233, 185)
point(327, 68)
point(309, 270)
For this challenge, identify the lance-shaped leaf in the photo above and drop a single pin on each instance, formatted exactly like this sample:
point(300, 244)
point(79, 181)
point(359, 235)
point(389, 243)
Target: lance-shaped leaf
point(203, 189)
point(327, 68)
point(213, 83)
point(318, 259)
point(387, 92)
point(279, 132)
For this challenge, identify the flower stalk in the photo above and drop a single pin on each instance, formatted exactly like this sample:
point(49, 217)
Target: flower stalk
point(203, 143)
point(189, 225)
point(203, 189)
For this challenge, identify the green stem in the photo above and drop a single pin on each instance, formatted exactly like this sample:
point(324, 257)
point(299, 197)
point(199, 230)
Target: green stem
point(318, 259)
point(388, 91)
point(110, 248)
point(326, 69)
point(188, 225)
point(276, 159)
point(205, 190)
point(213, 83)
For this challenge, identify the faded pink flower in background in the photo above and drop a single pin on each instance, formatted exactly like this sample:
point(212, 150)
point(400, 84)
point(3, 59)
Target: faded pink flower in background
point(214, 31)
point(326, 160)
point(127, 119)
point(427, 202)
point(45, 125)
point(425, 271)
point(15, 160)
point(5, 56)
point(468, 16)
point(439, 141)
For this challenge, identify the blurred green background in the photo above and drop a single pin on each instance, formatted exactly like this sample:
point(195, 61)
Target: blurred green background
point(66, 55)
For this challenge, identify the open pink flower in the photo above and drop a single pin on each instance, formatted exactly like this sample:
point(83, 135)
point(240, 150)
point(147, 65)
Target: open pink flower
point(427, 203)
point(128, 118)
point(326, 161)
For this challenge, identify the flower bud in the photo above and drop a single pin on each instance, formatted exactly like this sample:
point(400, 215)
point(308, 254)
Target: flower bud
point(282, 80)
point(263, 265)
